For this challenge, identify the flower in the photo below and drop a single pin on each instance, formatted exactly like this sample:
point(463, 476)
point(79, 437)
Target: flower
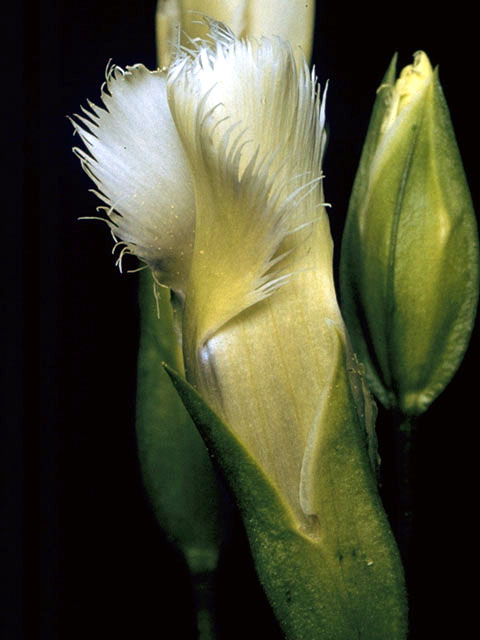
point(211, 172)
point(409, 269)
point(242, 176)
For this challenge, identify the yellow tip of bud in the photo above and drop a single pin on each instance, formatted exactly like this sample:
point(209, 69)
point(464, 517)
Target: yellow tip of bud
point(408, 88)
point(413, 79)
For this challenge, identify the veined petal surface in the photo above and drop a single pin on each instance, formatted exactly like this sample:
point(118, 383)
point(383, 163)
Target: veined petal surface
point(292, 20)
point(230, 12)
point(261, 315)
point(252, 128)
point(135, 158)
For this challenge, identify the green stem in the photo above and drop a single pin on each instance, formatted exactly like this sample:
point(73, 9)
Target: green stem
point(405, 475)
point(204, 604)
point(403, 509)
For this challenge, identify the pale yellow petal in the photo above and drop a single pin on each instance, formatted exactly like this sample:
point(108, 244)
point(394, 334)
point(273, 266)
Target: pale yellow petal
point(233, 13)
point(292, 20)
point(252, 128)
point(261, 314)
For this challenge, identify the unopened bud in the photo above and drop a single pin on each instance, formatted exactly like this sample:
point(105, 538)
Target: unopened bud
point(410, 248)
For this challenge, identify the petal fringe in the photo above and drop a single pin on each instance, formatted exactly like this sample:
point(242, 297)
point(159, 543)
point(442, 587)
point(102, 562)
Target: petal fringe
point(135, 158)
point(253, 130)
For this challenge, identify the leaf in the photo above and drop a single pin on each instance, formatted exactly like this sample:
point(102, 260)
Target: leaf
point(177, 472)
point(342, 579)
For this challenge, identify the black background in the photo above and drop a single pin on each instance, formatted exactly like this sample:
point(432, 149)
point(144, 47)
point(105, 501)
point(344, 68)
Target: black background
point(69, 362)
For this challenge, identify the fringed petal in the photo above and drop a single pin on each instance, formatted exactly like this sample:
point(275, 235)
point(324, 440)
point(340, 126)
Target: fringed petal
point(135, 158)
point(252, 128)
point(261, 314)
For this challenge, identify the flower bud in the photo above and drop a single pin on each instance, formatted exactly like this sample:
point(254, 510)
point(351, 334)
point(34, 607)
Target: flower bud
point(409, 265)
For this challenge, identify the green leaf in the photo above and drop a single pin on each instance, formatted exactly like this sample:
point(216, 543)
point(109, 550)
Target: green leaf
point(177, 471)
point(380, 108)
point(351, 302)
point(342, 579)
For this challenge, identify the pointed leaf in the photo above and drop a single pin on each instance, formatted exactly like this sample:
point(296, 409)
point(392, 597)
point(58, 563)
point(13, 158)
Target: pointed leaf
point(342, 580)
point(177, 472)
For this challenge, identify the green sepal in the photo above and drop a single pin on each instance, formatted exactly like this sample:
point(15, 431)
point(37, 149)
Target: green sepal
point(177, 472)
point(380, 108)
point(340, 577)
point(445, 248)
point(409, 265)
point(351, 251)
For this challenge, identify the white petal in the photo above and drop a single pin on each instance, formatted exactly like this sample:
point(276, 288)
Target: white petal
point(259, 353)
point(252, 128)
point(135, 158)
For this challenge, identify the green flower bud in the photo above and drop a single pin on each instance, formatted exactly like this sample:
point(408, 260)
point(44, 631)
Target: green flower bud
point(409, 267)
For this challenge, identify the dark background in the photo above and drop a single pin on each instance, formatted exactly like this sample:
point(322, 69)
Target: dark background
point(76, 510)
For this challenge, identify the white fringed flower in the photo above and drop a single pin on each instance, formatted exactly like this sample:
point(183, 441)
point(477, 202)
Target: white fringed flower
point(233, 160)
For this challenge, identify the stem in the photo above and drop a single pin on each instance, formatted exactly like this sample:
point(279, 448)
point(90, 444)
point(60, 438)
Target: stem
point(405, 473)
point(204, 604)
point(404, 486)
